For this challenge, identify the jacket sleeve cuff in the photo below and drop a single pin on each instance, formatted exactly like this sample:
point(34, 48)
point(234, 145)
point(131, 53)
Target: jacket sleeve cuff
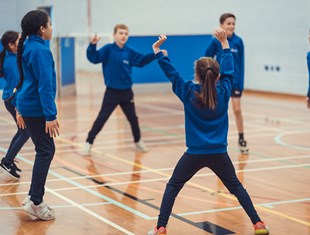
point(159, 55)
point(50, 118)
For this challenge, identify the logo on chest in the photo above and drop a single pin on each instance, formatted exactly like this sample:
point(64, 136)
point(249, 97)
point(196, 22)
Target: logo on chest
point(126, 62)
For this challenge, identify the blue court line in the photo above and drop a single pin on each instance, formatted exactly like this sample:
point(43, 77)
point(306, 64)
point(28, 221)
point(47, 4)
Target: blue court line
point(116, 203)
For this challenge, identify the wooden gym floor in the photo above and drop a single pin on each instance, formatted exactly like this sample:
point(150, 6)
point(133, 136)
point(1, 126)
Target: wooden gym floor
point(117, 190)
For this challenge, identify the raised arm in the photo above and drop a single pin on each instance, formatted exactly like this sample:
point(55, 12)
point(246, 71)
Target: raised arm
point(179, 86)
point(93, 55)
point(139, 60)
point(227, 67)
point(212, 48)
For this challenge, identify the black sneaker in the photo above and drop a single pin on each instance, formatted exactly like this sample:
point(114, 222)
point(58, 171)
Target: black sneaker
point(9, 169)
point(243, 146)
point(18, 169)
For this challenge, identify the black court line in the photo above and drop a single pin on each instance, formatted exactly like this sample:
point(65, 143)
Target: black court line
point(206, 225)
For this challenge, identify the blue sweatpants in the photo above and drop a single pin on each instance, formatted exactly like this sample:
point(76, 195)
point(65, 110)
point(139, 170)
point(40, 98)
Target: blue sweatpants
point(45, 149)
point(112, 98)
point(188, 166)
point(19, 139)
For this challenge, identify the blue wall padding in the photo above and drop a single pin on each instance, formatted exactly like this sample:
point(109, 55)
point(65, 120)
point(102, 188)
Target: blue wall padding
point(67, 61)
point(183, 50)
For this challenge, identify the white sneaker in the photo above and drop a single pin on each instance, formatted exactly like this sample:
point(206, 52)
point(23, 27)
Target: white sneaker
point(26, 200)
point(86, 148)
point(141, 147)
point(41, 211)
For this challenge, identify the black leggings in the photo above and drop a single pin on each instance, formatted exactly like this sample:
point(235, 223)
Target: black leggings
point(111, 99)
point(188, 166)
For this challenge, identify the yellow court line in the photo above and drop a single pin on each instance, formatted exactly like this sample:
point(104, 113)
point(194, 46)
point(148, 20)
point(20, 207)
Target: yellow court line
point(190, 183)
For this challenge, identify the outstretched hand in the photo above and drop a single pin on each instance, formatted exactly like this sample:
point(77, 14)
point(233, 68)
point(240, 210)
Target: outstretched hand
point(95, 39)
point(221, 35)
point(162, 38)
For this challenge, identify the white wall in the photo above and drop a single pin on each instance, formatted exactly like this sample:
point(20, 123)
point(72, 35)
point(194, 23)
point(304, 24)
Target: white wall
point(8, 16)
point(274, 32)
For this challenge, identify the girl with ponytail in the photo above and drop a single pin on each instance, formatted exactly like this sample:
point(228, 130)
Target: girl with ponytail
point(206, 126)
point(9, 71)
point(36, 92)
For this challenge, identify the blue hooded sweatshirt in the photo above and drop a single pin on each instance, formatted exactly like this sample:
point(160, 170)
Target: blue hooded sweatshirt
point(206, 130)
point(11, 75)
point(36, 97)
point(237, 50)
point(117, 63)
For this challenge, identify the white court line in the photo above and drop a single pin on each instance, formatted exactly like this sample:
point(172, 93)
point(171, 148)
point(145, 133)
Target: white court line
point(239, 207)
point(130, 145)
point(60, 206)
point(162, 179)
point(113, 118)
point(90, 212)
point(83, 208)
point(179, 139)
point(278, 139)
point(95, 193)
point(260, 126)
point(248, 161)
point(94, 176)
point(174, 111)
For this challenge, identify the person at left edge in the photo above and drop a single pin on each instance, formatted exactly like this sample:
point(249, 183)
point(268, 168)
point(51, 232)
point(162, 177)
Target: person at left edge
point(9, 71)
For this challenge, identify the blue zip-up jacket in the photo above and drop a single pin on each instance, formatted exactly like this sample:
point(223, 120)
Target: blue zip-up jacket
point(36, 97)
point(11, 75)
point(206, 130)
point(237, 50)
point(117, 63)
point(308, 63)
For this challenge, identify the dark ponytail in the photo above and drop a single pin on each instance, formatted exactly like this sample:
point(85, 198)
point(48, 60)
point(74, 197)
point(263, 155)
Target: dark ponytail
point(207, 73)
point(7, 38)
point(20, 48)
point(30, 24)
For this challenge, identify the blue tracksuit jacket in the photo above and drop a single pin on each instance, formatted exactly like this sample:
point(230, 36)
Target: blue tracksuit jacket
point(117, 63)
point(237, 50)
point(11, 75)
point(36, 97)
point(206, 130)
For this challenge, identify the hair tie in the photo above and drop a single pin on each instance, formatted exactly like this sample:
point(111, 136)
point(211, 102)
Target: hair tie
point(209, 68)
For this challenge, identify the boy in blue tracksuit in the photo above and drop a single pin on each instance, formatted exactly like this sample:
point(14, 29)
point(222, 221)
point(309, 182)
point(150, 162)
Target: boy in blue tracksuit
point(227, 22)
point(36, 92)
point(117, 60)
point(9, 71)
point(206, 126)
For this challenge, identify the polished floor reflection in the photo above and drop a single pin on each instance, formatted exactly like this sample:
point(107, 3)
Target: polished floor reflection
point(117, 190)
